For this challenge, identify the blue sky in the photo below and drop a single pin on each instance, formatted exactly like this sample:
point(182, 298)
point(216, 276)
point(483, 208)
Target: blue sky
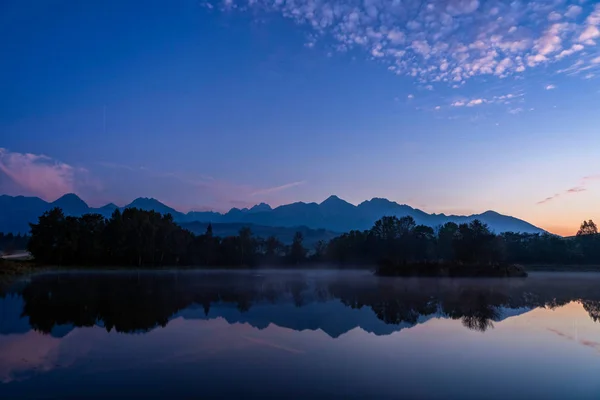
point(455, 106)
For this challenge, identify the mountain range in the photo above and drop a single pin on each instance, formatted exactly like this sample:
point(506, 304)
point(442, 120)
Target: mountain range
point(333, 214)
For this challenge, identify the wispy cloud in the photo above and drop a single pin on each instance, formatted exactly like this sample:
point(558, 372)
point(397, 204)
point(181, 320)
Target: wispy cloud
point(121, 166)
point(498, 99)
point(475, 102)
point(38, 174)
point(574, 190)
point(550, 87)
point(573, 11)
point(446, 42)
point(277, 188)
point(548, 199)
point(273, 345)
point(591, 178)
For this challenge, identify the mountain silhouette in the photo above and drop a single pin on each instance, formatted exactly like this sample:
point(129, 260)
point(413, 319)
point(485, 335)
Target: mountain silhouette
point(262, 207)
point(71, 204)
point(333, 214)
point(149, 204)
point(110, 207)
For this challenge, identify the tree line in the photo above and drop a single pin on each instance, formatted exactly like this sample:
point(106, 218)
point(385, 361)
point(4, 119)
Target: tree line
point(10, 243)
point(136, 237)
point(401, 241)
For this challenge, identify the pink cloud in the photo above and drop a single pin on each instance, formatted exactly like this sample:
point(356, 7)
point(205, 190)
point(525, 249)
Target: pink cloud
point(38, 174)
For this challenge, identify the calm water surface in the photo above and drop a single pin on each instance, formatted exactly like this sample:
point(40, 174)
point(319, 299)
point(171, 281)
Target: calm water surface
point(291, 334)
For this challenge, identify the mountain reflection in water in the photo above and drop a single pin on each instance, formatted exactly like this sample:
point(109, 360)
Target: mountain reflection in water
point(135, 302)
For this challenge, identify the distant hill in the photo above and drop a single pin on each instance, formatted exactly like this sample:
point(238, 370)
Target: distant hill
point(333, 214)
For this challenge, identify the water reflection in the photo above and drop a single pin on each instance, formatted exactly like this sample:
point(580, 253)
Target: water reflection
point(320, 334)
point(139, 302)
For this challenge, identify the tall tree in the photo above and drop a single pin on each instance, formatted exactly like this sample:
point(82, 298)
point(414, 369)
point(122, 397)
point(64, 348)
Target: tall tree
point(297, 250)
point(445, 240)
point(47, 237)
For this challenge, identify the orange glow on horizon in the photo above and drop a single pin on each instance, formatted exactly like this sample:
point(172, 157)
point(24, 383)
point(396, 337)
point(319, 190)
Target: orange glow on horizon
point(559, 230)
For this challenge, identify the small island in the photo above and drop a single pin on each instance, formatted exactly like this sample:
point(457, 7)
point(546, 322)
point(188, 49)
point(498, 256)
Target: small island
point(135, 238)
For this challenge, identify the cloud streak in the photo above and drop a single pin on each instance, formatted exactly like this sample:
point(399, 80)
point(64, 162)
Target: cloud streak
point(192, 191)
point(574, 190)
point(277, 189)
point(548, 199)
point(446, 42)
point(584, 342)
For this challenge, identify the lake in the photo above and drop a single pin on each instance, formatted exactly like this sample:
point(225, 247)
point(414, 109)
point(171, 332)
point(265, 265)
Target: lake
point(299, 334)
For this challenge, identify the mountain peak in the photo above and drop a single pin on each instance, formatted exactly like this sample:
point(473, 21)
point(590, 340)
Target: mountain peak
point(490, 213)
point(333, 199)
point(151, 204)
point(144, 202)
point(70, 200)
point(71, 204)
point(70, 197)
point(262, 207)
point(377, 202)
point(138, 199)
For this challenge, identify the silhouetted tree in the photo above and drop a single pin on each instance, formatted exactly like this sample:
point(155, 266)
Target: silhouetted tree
point(47, 243)
point(272, 247)
point(445, 241)
point(320, 251)
point(587, 228)
point(297, 250)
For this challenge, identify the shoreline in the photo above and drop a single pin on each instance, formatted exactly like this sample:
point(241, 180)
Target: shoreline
point(16, 266)
point(11, 270)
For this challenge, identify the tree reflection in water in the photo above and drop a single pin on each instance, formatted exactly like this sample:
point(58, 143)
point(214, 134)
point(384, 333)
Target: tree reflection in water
point(139, 302)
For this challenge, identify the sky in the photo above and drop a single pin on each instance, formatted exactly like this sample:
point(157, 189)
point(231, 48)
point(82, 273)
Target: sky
point(454, 106)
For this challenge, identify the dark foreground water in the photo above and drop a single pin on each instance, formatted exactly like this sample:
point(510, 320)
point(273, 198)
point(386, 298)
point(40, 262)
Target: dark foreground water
point(299, 335)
